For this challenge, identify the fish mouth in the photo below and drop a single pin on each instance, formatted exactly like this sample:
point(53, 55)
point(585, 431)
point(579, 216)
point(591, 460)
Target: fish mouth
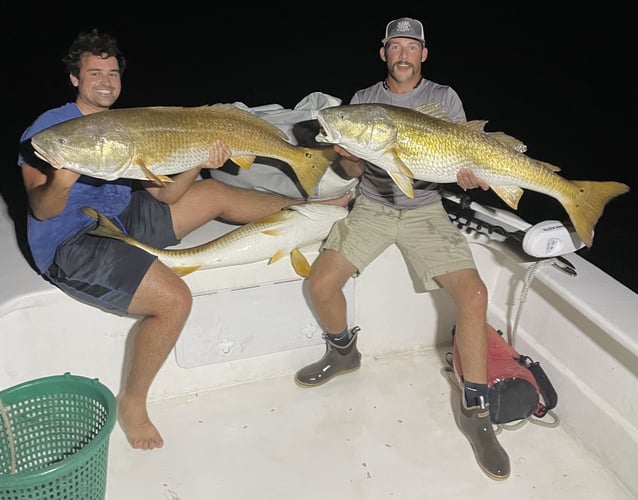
point(322, 136)
point(326, 134)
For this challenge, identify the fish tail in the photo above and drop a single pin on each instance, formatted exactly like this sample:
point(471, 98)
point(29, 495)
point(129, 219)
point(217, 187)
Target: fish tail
point(105, 227)
point(311, 168)
point(587, 207)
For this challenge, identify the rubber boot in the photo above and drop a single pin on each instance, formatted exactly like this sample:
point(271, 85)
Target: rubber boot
point(475, 423)
point(337, 360)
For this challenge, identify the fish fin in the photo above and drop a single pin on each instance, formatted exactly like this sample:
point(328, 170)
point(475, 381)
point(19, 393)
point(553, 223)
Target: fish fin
point(509, 194)
point(184, 270)
point(91, 212)
point(247, 116)
point(405, 170)
point(404, 177)
point(434, 109)
point(506, 140)
point(105, 227)
point(109, 229)
point(404, 182)
point(160, 180)
point(270, 232)
point(277, 255)
point(509, 141)
point(245, 161)
point(310, 170)
point(475, 125)
point(299, 263)
point(549, 166)
point(587, 208)
point(279, 216)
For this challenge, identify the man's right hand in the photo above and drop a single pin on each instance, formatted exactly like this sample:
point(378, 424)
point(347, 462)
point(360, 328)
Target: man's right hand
point(48, 190)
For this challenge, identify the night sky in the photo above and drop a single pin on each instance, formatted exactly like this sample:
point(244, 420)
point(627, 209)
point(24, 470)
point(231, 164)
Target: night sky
point(555, 78)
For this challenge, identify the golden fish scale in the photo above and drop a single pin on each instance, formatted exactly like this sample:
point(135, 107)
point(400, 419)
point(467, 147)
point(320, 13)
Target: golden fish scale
point(445, 148)
point(163, 133)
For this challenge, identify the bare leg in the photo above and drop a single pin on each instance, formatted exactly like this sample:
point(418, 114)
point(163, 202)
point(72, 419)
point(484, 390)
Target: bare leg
point(470, 296)
point(330, 272)
point(209, 199)
point(164, 300)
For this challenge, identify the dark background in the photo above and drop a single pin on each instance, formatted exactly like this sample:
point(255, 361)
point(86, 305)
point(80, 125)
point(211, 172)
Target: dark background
point(556, 78)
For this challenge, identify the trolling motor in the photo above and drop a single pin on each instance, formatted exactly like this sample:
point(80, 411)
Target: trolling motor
point(549, 238)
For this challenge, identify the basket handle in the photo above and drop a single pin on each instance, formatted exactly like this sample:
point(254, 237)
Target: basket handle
point(12, 443)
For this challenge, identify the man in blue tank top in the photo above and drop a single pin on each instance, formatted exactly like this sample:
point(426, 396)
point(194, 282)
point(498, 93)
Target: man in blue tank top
point(382, 215)
point(108, 273)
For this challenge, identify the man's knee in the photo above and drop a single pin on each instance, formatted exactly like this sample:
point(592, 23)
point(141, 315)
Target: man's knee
point(173, 299)
point(478, 295)
point(321, 286)
point(181, 300)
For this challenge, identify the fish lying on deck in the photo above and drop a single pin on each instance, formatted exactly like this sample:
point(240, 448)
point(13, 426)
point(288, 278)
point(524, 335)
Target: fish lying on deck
point(151, 143)
point(423, 144)
point(267, 239)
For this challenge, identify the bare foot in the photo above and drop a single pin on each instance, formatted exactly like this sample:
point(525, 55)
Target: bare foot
point(137, 426)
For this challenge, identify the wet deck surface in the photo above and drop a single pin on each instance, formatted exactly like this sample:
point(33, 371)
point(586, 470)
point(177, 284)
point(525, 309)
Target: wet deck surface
point(384, 432)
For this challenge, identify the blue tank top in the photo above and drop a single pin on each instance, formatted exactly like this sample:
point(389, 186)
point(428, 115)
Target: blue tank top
point(108, 197)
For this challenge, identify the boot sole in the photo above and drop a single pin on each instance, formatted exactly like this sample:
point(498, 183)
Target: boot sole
point(343, 372)
point(485, 471)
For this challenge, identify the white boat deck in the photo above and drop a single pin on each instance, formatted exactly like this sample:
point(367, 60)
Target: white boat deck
point(384, 432)
point(237, 427)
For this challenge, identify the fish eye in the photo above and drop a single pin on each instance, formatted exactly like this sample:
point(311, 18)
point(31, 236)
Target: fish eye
point(62, 141)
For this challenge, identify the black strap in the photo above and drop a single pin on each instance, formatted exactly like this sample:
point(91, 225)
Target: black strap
point(550, 398)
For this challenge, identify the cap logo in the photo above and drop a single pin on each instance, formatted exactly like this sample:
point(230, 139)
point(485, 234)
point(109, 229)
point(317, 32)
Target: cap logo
point(403, 26)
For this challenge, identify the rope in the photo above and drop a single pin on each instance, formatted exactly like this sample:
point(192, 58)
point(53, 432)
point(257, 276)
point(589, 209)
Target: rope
point(529, 277)
point(12, 446)
point(532, 420)
point(527, 282)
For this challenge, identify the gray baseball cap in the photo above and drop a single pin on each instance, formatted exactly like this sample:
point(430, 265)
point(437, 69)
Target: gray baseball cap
point(404, 27)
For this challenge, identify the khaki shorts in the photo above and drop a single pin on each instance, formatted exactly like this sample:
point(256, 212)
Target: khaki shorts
point(430, 244)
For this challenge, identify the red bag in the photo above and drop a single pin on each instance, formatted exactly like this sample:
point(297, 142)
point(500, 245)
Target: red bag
point(518, 386)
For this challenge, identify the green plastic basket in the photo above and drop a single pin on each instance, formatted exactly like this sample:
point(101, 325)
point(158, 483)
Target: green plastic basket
point(54, 438)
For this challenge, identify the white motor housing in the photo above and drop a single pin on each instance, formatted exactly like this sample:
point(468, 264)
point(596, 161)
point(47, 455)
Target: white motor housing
point(550, 238)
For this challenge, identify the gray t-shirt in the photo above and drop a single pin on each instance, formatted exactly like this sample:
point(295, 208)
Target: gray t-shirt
point(376, 184)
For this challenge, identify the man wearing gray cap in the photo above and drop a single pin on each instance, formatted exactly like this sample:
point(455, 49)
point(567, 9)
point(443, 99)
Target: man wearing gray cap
point(382, 215)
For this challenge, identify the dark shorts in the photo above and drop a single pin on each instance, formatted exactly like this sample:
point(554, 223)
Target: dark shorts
point(106, 272)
